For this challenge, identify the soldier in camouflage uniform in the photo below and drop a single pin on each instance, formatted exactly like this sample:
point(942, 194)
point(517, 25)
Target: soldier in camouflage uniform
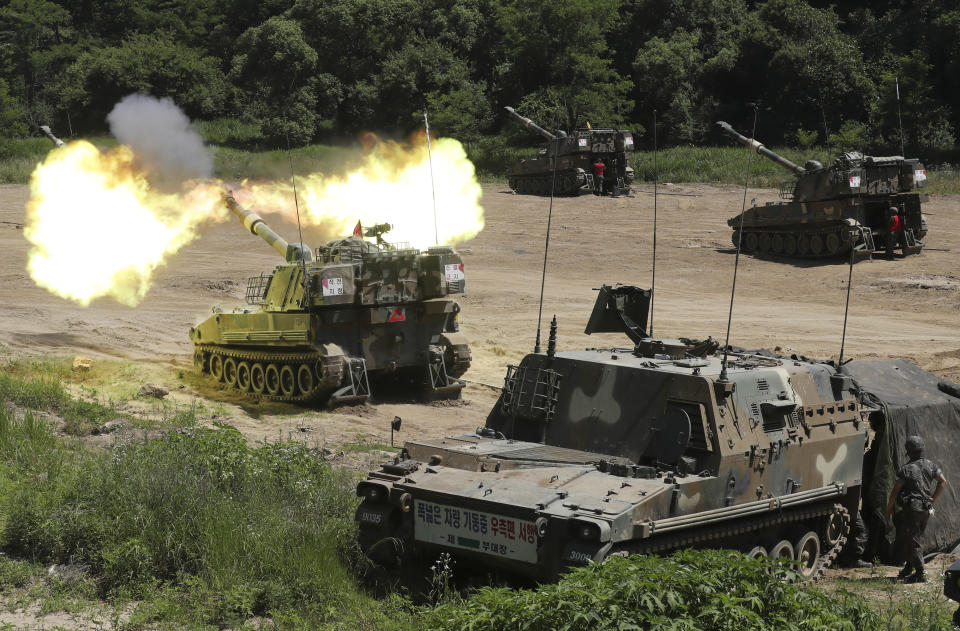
point(915, 494)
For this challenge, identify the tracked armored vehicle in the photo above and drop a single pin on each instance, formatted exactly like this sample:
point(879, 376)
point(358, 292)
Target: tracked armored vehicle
point(324, 324)
point(574, 154)
point(829, 210)
point(641, 449)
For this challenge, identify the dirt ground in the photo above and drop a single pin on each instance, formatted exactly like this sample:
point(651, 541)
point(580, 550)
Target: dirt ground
point(900, 308)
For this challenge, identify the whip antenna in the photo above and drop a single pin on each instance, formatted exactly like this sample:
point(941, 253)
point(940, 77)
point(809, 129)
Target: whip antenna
point(296, 204)
point(433, 190)
point(846, 309)
point(656, 177)
point(736, 264)
point(896, 82)
point(546, 247)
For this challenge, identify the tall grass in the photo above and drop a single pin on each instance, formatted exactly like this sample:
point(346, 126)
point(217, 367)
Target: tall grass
point(37, 384)
point(238, 155)
point(201, 526)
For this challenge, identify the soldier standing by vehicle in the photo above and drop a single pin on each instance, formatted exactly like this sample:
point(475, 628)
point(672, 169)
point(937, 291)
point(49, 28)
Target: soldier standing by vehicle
point(895, 234)
point(912, 491)
point(598, 177)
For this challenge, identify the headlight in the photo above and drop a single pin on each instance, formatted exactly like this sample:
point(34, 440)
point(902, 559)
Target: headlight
point(372, 492)
point(586, 531)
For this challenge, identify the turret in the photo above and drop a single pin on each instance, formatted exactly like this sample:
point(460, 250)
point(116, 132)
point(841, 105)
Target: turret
point(760, 149)
point(292, 252)
point(529, 124)
point(46, 130)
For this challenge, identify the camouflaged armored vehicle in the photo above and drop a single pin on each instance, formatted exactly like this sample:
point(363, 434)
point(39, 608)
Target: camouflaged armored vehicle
point(575, 155)
point(324, 324)
point(642, 449)
point(828, 210)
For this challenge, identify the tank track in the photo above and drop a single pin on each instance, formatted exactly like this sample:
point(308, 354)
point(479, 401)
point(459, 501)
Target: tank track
point(321, 386)
point(568, 183)
point(460, 353)
point(802, 244)
point(715, 535)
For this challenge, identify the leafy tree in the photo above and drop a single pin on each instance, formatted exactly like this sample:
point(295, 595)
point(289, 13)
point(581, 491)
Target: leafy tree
point(150, 64)
point(555, 57)
point(925, 119)
point(274, 68)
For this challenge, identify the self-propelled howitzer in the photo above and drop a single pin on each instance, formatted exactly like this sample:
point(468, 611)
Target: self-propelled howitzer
point(642, 449)
point(325, 324)
point(572, 156)
point(828, 210)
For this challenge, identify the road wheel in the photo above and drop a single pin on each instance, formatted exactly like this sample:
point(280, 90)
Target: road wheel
point(199, 361)
point(816, 245)
point(756, 552)
point(765, 242)
point(781, 557)
point(803, 244)
point(305, 378)
point(735, 238)
point(776, 244)
point(257, 381)
point(271, 378)
point(243, 376)
point(288, 381)
point(216, 366)
point(807, 552)
point(750, 242)
point(230, 371)
point(790, 244)
point(833, 243)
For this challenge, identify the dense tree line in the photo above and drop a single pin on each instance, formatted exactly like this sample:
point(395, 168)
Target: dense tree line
point(308, 70)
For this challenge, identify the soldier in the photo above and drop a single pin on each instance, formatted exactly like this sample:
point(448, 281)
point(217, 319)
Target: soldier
point(598, 177)
point(894, 231)
point(912, 492)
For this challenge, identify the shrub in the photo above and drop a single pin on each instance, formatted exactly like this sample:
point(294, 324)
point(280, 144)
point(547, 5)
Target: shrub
point(693, 590)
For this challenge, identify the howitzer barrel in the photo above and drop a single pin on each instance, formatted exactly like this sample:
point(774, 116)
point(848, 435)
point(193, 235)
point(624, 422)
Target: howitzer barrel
point(760, 149)
point(46, 129)
point(255, 224)
point(529, 124)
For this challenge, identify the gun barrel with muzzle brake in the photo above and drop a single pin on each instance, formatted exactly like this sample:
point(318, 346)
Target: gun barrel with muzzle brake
point(760, 149)
point(46, 130)
point(292, 252)
point(529, 124)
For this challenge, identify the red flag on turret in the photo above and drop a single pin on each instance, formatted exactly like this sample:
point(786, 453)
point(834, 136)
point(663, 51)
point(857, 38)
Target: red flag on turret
point(358, 230)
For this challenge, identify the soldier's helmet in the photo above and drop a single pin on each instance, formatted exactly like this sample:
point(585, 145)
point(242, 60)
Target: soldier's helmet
point(914, 443)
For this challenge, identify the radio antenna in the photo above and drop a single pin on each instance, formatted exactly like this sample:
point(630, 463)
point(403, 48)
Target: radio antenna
point(433, 189)
point(546, 247)
point(846, 309)
point(656, 177)
point(736, 264)
point(896, 82)
point(296, 204)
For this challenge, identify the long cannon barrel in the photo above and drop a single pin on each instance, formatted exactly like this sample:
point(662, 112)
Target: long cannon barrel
point(46, 129)
point(292, 252)
point(529, 124)
point(760, 149)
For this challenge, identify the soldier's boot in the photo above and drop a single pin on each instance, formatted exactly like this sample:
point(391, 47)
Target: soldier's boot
point(919, 577)
point(905, 573)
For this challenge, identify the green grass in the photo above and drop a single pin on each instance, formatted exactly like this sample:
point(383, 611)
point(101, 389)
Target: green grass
point(238, 157)
point(198, 528)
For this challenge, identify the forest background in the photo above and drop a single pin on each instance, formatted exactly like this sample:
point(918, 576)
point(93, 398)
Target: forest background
point(263, 73)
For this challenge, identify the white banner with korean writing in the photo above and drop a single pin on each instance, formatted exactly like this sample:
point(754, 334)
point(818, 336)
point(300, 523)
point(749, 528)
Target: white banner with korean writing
point(478, 531)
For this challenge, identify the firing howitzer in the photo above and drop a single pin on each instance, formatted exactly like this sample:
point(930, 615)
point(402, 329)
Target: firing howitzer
point(46, 130)
point(292, 252)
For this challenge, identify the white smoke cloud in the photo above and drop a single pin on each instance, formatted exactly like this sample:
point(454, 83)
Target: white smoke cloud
point(160, 135)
